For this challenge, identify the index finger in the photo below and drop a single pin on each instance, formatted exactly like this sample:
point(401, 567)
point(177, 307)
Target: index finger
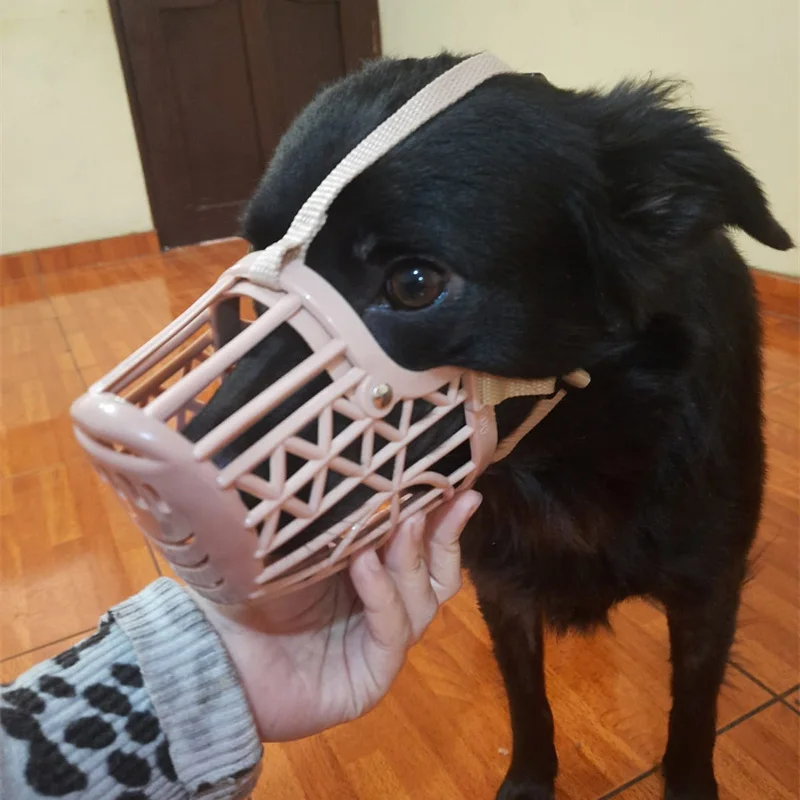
point(442, 549)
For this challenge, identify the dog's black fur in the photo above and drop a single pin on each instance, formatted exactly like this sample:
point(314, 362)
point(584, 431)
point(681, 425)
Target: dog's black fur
point(581, 229)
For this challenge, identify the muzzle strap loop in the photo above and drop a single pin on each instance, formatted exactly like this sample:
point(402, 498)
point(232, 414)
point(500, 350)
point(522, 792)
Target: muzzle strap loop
point(491, 390)
point(432, 99)
point(550, 392)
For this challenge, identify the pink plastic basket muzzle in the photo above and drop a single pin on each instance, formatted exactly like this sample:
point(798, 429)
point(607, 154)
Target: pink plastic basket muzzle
point(130, 424)
point(364, 469)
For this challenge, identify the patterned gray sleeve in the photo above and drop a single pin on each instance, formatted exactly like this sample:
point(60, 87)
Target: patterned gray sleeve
point(147, 708)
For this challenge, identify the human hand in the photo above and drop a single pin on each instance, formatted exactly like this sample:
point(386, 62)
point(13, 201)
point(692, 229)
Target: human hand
point(329, 653)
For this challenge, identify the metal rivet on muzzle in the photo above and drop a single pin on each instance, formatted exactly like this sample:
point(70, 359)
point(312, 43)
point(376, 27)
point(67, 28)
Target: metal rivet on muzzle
point(382, 395)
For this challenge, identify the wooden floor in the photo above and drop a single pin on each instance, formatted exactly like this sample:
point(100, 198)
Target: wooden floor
point(68, 552)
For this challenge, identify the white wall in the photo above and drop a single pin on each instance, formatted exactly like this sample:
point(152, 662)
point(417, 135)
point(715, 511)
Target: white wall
point(741, 57)
point(70, 170)
point(69, 166)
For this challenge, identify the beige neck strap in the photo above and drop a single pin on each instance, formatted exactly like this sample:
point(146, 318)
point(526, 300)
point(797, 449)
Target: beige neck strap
point(503, 389)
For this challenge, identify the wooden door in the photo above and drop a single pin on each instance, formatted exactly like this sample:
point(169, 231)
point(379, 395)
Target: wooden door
point(212, 86)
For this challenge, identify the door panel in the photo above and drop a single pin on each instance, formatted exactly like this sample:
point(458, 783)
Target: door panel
point(214, 101)
point(307, 46)
point(214, 83)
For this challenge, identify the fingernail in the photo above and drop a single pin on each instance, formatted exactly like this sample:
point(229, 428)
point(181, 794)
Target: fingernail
point(476, 504)
point(371, 561)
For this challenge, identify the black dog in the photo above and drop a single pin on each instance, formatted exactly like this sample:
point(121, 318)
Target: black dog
point(527, 231)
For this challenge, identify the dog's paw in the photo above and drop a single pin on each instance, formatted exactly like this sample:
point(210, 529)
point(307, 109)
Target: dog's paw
point(698, 793)
point(525, 790)
point(698, 787)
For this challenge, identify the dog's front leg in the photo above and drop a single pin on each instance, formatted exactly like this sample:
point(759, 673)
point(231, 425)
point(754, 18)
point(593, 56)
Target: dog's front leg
point(519, 649)
point(700, 633)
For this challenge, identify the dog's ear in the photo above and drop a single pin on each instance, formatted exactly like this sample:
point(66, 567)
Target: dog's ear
point(663, 183)
point(668, 176)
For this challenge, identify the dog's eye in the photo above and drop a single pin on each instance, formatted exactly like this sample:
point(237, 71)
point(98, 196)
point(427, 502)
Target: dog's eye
point(414, 284)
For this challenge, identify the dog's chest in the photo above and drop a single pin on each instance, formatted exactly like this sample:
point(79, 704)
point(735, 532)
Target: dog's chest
point(543, 565)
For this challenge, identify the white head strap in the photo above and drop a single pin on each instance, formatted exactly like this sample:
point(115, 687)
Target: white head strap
point(431, 100)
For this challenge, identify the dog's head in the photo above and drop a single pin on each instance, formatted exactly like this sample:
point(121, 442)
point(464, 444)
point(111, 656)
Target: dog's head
point(548, 219)
point(525, 231)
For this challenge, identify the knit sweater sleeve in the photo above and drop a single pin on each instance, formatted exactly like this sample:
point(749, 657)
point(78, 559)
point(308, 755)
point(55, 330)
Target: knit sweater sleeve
point(147, 708)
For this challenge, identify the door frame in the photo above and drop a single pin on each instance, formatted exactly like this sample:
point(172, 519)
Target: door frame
point(359, 23)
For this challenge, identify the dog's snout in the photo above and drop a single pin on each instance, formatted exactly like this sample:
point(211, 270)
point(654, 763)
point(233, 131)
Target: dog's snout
point(270, 359)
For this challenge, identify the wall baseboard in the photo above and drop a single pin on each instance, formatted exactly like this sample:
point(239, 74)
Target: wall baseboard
point(79, 254)
point(778, 294)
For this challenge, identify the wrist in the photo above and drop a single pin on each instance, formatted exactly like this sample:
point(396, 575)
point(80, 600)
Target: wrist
point(193, 685)
point(230, 625)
